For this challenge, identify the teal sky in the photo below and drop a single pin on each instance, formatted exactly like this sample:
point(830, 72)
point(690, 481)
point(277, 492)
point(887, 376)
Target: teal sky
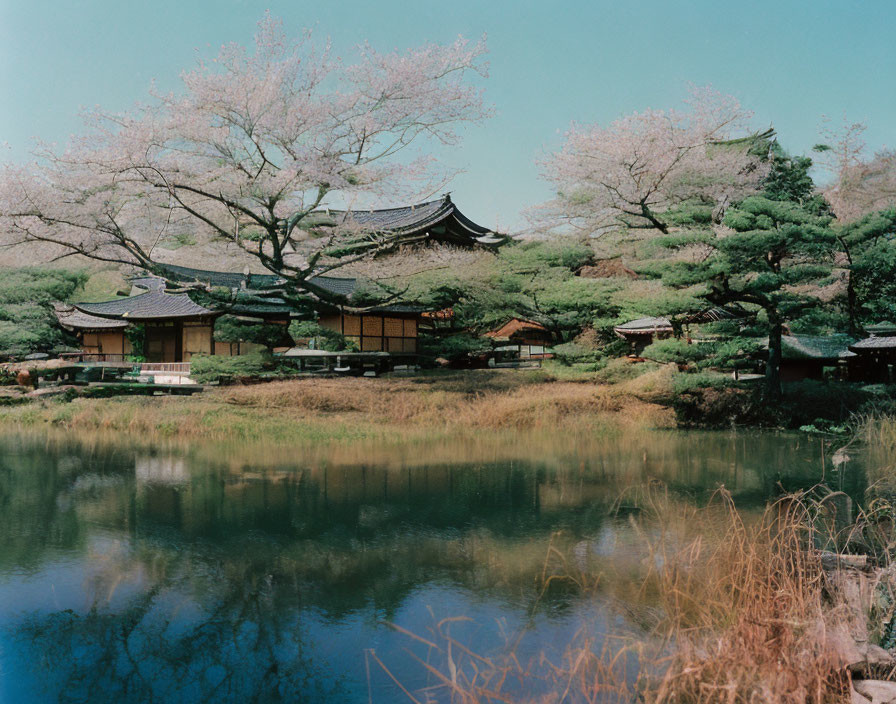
point(791, 61)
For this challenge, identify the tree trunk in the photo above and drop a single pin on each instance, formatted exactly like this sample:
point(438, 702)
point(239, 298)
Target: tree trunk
point(852, 303)
point(772, 389)
point(852, 307)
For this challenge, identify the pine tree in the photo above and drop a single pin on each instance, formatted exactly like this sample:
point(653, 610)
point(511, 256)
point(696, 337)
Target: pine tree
point(773, 252)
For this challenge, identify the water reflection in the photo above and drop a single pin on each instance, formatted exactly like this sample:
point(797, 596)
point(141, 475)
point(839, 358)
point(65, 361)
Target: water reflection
point(209, 574)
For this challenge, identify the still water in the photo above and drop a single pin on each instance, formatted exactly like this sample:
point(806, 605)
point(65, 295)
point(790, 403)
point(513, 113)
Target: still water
point(216, 573)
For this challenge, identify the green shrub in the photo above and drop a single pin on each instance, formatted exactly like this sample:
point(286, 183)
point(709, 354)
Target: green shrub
point(230, 328)
point(733, 353)
point(7, 377)
point(324, 338)
point(456, 347)
point(721, 406)
point(575, 353)
point(136, 336)
point(713, 400)
point(27, 320)
point(685, 383)
point(624, 369)
point(674, 350)
point(112, 390)
point(208, 368)
point(826, 403)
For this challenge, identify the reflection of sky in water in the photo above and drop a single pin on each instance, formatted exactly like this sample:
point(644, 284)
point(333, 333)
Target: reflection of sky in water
point(196, 579)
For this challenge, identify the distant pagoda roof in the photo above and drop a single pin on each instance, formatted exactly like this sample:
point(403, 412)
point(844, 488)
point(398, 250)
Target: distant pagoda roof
point(440, 218)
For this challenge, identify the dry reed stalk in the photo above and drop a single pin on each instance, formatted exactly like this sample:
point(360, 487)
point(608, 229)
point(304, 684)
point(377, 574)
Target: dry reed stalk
point(737, 613)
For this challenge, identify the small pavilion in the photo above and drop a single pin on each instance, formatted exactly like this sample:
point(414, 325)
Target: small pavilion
point(876, 355)
point(525, 338)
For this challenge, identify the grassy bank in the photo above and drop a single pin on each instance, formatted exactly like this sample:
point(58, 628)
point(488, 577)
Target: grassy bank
point(420, 407)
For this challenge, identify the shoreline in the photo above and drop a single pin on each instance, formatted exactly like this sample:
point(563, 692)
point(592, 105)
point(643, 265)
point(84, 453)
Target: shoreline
point(402, 409)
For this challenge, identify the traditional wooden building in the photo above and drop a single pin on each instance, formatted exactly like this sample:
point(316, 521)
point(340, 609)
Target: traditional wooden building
point(875, 356)
point(815, 357)
point(643, 331)
point(99, 337)
point(434, 221)
point(176, 327)
point(524, 338)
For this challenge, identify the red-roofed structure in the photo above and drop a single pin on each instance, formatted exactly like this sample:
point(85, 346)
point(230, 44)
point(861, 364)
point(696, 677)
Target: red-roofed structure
point(527, 338)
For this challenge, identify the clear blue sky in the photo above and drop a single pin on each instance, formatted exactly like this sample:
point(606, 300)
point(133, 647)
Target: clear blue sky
point(791, 61)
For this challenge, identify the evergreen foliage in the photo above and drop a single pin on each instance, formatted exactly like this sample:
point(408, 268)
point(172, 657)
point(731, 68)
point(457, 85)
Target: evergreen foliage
point(324, 338)
point(777, 248)
point(869, 245)
point(27, 320)
point(231, 328)
point(218, 368)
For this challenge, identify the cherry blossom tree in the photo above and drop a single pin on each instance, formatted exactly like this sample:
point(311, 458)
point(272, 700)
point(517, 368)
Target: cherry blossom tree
point(862, 195)
point(862, 184)
point(630, 173)
point(251, 152)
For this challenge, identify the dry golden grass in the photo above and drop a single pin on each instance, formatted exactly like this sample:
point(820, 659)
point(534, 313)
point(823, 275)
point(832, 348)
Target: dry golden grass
point(406, 401)
point(315, 409)
point(731, 612)
point(744, 611)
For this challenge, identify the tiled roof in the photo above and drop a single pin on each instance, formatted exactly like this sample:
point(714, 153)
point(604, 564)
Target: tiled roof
point(251, 282)
point(514, 326)
point(645, 325)
point(72, 318)
point(410, 217)
point(875, 343)
point(220, 279)
point(815, 346)
point(152, 305)
point(414, 218)
point(336, 285)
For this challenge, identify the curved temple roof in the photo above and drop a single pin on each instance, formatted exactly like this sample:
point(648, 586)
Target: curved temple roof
point(73, 319)
point(152, 305)
point(422, 217)
point(439, 219)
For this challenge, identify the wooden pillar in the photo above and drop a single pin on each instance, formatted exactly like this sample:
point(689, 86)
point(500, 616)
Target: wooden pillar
point(179, 341)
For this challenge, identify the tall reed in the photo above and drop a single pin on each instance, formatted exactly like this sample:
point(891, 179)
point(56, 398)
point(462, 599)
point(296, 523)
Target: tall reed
point(728, 611)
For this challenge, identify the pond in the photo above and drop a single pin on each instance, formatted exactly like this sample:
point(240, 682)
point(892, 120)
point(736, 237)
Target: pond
point(221, 573)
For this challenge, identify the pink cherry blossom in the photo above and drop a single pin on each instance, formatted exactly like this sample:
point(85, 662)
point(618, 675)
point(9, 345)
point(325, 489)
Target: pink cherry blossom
point(628, 173)
point(253, 143)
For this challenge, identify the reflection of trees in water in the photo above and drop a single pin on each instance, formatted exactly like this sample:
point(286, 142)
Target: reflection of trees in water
point(240, 643)
point(219, 563)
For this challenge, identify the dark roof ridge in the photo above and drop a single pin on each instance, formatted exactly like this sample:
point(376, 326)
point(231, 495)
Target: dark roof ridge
point(444, 199)
point(146, 306)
